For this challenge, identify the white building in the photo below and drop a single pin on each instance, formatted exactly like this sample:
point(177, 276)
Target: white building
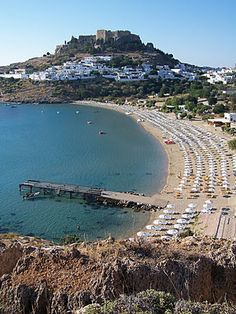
point(230, 116)
point(16, 74)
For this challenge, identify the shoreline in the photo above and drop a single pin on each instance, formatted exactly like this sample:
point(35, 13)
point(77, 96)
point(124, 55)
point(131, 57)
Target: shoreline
point(214, 223)
point(172, 171)
point(151, 130)
point(173, 155)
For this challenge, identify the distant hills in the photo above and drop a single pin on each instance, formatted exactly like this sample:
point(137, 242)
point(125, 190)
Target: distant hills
point(105, 42)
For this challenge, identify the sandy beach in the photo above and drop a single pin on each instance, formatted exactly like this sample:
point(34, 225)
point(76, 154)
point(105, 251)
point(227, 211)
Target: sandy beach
point(215, 224)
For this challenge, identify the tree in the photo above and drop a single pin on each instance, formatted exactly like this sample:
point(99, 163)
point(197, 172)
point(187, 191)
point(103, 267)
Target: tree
point(232, 144)
point(189, 105)
point(220, 108)
point(212, 101)
point(183, 115)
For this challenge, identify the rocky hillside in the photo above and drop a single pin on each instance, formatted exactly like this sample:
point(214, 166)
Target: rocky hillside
point(116, 44)
point(40, 277)
point(28, 91)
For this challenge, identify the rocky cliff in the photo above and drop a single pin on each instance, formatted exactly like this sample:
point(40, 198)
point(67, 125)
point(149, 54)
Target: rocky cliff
point(44, 278)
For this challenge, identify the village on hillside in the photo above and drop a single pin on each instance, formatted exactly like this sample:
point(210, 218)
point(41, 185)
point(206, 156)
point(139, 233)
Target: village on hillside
point(94, 66)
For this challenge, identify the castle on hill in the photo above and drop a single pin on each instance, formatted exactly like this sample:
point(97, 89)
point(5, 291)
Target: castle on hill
point(119, 39)
point(105, 35)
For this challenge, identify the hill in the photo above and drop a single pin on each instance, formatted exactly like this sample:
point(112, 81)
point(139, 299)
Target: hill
point(105, 42)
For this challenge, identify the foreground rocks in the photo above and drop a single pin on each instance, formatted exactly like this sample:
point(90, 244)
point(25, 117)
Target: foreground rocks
point(43, 278)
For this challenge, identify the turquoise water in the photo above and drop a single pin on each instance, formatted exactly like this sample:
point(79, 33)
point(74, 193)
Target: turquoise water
point(52, 142)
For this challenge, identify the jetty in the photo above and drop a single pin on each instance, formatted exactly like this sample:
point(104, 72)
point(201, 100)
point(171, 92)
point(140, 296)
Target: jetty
point(121, 199)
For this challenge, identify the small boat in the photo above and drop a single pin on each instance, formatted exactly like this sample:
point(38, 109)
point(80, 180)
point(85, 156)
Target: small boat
point(58, 112)
point(30, 196)
point(77, 112)
point(89, 122)
point(102, 132)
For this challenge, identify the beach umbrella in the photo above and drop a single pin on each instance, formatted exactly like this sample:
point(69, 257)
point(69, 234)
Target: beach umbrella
point(167, 217)
point(187, 216)
point(159, 222)
point(140, 233)
point(172, 232)
point(192, 205)
point(211, 185)
point(168, 211)
point(166, 237)
point(179, 226)
point(149, 234)
point(211, 190)
point(170, 206)
point(182, 221)
point(156, 228)
point(189, 210)
point(207, 206)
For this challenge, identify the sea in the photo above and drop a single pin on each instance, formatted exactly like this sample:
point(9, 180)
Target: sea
point(55, 143)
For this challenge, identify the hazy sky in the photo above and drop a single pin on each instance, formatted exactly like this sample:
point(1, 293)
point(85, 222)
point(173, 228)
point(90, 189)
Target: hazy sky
point(200, 32)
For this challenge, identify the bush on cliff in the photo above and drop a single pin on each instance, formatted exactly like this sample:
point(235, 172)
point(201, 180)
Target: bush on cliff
point(155, 302)
point(232, 144)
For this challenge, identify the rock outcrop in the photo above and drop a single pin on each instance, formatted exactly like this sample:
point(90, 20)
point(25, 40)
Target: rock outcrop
point(53, 279)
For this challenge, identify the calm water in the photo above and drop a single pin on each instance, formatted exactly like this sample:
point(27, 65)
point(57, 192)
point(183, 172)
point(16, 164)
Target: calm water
point(36, 142)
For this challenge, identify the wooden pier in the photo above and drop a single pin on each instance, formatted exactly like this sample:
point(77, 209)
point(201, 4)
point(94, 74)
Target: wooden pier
point(58, 189)
point(110, 198)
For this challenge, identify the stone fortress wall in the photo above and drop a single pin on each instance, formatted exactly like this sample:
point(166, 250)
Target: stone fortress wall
point(105, 35)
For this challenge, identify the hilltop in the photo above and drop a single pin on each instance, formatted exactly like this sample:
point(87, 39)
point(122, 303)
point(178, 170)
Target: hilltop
point(105, 42)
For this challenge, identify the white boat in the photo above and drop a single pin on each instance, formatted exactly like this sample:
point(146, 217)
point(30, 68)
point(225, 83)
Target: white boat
point(30, 196)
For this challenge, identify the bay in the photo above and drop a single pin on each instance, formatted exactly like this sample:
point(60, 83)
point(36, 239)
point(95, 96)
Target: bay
point(55, 143)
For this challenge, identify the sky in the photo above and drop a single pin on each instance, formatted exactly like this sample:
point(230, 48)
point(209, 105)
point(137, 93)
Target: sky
point(199, 32)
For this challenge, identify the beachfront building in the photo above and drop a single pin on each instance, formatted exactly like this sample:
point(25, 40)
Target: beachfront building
point(219, 122)
point(230, 116)
point(227, 120)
